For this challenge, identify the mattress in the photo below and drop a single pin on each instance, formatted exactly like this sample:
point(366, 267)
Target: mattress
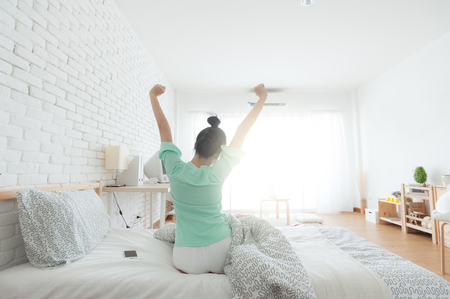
point(340, 265)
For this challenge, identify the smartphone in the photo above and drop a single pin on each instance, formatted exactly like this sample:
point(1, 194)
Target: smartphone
point(130, 254)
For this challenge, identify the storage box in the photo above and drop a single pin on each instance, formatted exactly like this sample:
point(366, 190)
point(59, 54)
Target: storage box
point(372, 215)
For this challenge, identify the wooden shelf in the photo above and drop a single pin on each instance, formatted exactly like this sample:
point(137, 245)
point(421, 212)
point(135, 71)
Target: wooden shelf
point(426, 230)
point(417, 187)
point(418, 219)
point(414, 195)
point(396, 222)
point(388, 210)
point(424, 198)
point(390, 202)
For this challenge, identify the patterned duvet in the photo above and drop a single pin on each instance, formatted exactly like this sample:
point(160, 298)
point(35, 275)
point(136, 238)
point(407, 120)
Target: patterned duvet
point(337, 262)
point(403, 278)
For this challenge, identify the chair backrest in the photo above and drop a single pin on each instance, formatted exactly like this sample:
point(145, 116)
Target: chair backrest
point(270, 192)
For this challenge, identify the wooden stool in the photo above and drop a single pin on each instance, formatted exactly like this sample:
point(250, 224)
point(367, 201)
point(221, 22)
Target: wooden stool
point(270, 190)
point(278, 213)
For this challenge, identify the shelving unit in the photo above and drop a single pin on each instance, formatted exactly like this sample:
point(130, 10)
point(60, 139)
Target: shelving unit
point(388, 212)
point(409, 227)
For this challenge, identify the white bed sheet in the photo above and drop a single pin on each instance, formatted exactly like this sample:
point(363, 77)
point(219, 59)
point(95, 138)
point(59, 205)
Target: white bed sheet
point(333, 273)
point(105, 273)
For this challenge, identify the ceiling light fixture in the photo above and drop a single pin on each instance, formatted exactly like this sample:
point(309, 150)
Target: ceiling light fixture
point(308, 2)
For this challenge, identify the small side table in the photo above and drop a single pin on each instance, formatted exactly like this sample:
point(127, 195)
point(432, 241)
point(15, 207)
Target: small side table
point(158, 188)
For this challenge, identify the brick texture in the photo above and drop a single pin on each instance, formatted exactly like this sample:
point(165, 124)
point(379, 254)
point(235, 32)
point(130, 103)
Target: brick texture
point(74, 78)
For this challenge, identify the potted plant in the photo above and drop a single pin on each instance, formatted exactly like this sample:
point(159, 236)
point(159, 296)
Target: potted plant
point(397, 194)
point(420, 175)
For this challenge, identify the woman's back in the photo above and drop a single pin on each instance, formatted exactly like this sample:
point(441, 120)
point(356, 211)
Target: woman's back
point(197, 195)
point(203, 236)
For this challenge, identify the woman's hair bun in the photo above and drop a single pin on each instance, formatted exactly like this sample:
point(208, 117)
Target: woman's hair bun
point(214, 121)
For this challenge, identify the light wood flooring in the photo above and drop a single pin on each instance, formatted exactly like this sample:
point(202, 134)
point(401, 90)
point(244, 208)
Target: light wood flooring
point(416, 248)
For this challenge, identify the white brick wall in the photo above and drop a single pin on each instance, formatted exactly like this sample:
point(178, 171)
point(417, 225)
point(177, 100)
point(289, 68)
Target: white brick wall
point(74, 77)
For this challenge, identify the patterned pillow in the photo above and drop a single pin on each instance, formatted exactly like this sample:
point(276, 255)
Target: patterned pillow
point(59, 227)
point(167, 233)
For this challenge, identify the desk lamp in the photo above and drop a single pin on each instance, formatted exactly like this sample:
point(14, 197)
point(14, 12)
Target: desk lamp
point(116, 158)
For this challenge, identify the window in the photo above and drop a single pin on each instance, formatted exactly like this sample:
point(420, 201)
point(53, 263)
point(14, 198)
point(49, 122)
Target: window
point(303, 155)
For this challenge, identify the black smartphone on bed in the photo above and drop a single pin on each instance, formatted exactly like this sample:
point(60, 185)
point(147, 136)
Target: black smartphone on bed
point(130, 254)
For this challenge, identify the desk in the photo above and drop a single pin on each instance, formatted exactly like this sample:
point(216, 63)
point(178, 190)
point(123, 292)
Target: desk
point(158, 188)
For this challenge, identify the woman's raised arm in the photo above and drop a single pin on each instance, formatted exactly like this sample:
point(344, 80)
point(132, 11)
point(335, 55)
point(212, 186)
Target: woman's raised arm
point(250, 119)
point(161, 120)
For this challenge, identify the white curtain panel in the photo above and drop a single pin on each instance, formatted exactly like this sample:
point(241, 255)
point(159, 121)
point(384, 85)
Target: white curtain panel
point(303, 155)
point(331, 163)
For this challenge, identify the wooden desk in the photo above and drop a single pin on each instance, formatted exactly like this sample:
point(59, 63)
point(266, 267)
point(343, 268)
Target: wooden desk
point(158, 188)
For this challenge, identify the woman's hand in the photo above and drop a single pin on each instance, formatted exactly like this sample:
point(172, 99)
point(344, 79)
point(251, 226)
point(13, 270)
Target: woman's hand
point(157, 90)
point(161, 120)
point(250, 119)
point(260, 90)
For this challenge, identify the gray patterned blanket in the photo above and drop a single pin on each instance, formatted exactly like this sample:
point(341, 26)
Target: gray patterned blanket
point(404, 279)
point(260, 262)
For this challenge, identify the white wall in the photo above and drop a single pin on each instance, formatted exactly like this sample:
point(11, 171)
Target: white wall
point(74, 77)
point(405, 118)
point(236, 103)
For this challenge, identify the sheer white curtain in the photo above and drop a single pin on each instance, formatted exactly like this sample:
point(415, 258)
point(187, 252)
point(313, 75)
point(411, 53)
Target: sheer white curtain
point(303, 155)
point(331, 163)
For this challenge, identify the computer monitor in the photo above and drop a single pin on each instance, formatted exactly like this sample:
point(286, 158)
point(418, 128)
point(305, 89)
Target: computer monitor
point(154, 168)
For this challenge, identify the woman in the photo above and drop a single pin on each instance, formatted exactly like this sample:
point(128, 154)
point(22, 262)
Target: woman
point(203, 236)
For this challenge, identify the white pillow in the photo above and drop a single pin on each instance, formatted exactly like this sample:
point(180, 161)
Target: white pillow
point(59, 227)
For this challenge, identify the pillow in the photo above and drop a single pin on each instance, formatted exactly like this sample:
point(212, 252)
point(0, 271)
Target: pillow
point(59, 227)
point(167, 233)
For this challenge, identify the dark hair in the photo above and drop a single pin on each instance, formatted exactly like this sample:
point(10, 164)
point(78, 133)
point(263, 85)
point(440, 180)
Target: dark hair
point(210, 140)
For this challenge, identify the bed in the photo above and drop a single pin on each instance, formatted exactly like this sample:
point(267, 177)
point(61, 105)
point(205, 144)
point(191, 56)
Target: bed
point(339, 264)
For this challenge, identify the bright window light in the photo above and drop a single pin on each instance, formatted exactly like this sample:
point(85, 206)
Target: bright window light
point(302, 155)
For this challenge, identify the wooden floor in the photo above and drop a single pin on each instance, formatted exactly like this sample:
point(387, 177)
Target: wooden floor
point(416, 248)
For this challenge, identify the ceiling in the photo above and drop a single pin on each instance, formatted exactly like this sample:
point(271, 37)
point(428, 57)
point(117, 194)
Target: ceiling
point(233, 45)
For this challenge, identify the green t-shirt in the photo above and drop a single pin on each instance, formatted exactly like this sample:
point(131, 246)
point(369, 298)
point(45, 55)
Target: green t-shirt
point(197, 195)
